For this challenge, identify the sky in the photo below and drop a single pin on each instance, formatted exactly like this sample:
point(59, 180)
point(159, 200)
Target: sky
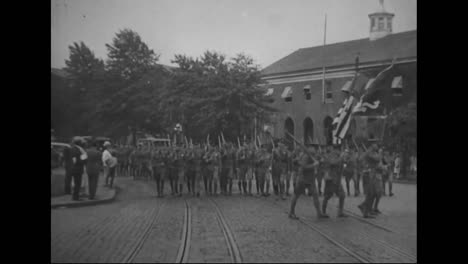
point(266, 30)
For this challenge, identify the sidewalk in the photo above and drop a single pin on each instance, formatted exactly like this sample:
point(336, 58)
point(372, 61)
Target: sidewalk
point(104, 195)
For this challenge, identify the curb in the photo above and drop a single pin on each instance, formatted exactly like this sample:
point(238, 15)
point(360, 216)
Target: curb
point(86, 203)
point(405, 182)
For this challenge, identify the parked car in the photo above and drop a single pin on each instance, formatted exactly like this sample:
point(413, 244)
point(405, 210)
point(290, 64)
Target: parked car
point(56, 155)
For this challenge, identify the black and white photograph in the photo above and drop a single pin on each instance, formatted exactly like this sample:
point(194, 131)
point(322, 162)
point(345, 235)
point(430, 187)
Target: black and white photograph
point(223, 131)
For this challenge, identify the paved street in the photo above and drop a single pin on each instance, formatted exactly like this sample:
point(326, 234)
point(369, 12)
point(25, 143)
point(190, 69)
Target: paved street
point(138, 227)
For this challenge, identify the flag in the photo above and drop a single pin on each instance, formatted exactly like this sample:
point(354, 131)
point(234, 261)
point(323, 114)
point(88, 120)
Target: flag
point(342, 120)
point(371, 99)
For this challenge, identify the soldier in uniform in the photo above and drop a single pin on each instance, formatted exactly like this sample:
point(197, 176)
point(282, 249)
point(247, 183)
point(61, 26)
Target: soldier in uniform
point(357, 171)
point(306, 179)
point(208, 171)
point(381, 169)
point(320, 170)
point(250, 160)
point(227, 170)
point(157, 167)
point(197, 186)
point(181, 167)
point(295, 166)
point(190, 171)
point(242, 170)
point(279, 170)
point(263, 164)
point(332, 166)
point(371, 159)
point(172, 170)
point(256, 162)
point(215, 159)
point(348, 168)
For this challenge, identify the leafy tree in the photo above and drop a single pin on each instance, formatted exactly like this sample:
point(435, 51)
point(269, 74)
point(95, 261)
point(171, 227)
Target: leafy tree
point(213, 95)
point(129, 58)
point(402, 132)
point(86, 81)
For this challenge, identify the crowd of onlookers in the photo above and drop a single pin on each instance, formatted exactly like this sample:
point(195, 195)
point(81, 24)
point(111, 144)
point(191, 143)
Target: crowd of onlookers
point(85, 158)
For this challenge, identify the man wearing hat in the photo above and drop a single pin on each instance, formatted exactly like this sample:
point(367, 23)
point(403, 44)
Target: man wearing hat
point(79, 157)
point(106, 156)
point(93, 167)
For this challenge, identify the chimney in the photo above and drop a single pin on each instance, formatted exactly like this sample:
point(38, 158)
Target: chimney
point(380, 23)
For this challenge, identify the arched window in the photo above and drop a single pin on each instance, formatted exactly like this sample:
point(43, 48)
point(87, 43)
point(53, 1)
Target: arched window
point(308, 131)
point(289, 127)
point(328, 130)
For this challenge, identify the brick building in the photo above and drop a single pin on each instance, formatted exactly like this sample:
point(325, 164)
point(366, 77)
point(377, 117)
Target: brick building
point(308, 104)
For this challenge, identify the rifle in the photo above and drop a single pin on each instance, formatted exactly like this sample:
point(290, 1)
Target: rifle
point(208, 140)
point(238, 142)
point(219, 141)
point(222, 136)
point(302, 146)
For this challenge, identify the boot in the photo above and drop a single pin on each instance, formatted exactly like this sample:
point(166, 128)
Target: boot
point(324, 209)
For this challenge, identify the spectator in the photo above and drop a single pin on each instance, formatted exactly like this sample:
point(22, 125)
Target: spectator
point(112, 162)
point(68, 164)
point(105, 159)
point(79, 157)
point(397, 167)
point(93, 167)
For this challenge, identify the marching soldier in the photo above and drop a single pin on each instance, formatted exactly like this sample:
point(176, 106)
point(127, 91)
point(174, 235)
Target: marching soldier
point(279, 167)
point(371, 159)
point(242, 162)
point(158, 167)
point(215, 160)
point(306, 179)
point(333, 185)
point(358, 171)
point(263, 164)
point(381, 169)
point(348, 168)
point(190, 171)
point(181, 167)
point(172, 170)
point(320, 170)
point(197, 185)
point(250, 163)
point(294, 163)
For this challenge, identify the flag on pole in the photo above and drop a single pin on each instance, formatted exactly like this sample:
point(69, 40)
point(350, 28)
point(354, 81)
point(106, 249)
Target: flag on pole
point(372, 94)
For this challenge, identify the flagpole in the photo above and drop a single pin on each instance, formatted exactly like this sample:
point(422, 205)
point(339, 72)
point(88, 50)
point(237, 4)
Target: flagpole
point(323, 59)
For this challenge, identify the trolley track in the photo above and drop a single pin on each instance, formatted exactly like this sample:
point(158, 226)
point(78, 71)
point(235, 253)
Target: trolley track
point(351, 249)
point(136, 249)
point(234, 251)
point(184, 249)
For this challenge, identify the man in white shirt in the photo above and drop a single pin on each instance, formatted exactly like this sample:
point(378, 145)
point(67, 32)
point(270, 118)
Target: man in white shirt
point(106, 157)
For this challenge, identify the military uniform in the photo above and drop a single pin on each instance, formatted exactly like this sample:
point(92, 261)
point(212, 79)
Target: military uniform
point(306, 179)
point(372, 160)
point(242, 165)
point(157, 164)
point(181, 167)
point(348, 169)
point(227, 171)
point(332, 166)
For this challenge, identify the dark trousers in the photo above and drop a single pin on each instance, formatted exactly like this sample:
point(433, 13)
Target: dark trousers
point(68, 181)
point(77, 182)
point(92, 184)
point(110, 177)
point(223, 180)
point(158, 178)
point(172, 175)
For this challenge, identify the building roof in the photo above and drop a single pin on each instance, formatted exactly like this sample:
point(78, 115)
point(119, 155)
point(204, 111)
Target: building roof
point(398, 45)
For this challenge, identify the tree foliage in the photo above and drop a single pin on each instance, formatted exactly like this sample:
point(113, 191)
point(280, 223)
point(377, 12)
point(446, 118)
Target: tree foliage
point(211, 94)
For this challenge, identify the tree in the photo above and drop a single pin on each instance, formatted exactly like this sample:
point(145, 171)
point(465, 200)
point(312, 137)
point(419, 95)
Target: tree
point(85, 79)
point(402, 132)
point(129, 58)
point(210, 95)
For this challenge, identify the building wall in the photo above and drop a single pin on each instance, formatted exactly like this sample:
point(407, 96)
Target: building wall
point(300, 108)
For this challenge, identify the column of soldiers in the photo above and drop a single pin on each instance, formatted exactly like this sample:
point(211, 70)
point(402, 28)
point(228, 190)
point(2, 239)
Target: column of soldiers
point(204, 168)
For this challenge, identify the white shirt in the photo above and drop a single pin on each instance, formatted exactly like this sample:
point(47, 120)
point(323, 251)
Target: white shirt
point(106, 156)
